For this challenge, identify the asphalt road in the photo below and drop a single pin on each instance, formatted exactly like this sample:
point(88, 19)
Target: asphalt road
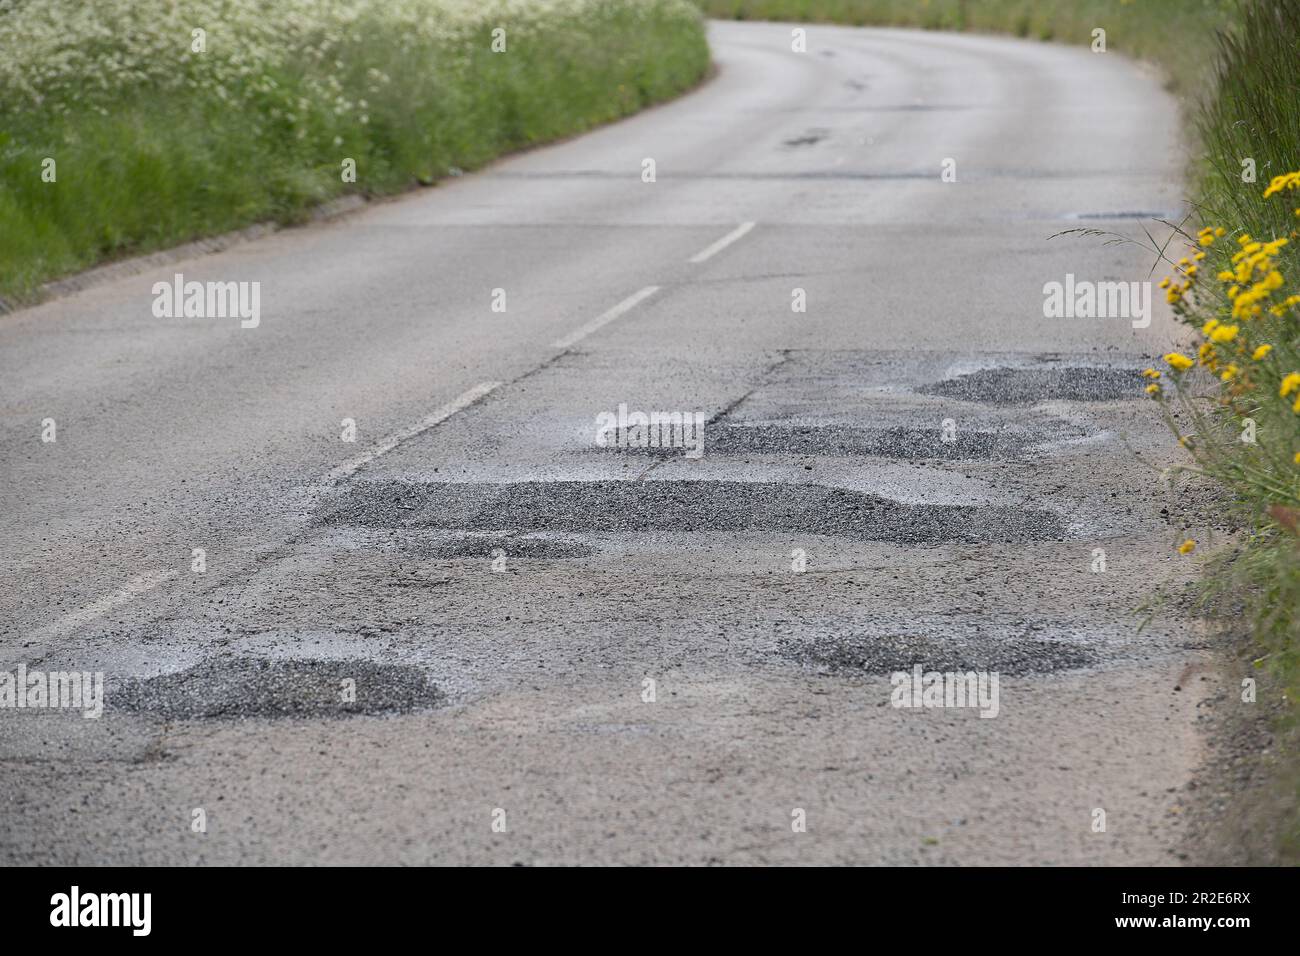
point(499, 589)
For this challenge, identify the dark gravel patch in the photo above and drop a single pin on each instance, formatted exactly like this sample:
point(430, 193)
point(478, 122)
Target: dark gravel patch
point(1027, 386)
point(534, 549)
point(811, 138)
point(234, 688)
point(887, 653)
point(846, 440)
point(680, 506)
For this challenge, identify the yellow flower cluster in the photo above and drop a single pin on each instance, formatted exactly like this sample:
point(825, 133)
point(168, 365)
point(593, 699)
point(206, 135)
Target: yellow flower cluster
point(1255, 261)
point(1280, 183)
point(1252, 281)
point(1289, 384)
point(1176, 292)
point(1217, 332)
point(1207, 236)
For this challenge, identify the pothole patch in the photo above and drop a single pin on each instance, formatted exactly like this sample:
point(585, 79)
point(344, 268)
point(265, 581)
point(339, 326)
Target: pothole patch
point(811, 138)
point(681, 506)
point(899, 442)
point(887, 653)
point(533, 549)
point(1028, 386)
point(236, 688)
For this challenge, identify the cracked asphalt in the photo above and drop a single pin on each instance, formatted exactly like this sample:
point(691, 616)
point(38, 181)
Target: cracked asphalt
point(638, 656)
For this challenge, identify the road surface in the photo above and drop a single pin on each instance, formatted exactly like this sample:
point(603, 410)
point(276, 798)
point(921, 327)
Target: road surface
point(567, 653)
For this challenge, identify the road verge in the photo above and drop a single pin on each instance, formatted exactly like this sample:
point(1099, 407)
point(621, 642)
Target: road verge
point(129, 127)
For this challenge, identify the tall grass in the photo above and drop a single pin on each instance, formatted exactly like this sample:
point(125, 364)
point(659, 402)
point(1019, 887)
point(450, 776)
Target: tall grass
point(1246, 300)
point(155, 142)
point(1255, 113)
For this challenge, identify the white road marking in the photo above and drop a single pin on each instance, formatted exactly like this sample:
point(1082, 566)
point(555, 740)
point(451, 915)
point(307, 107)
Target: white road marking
point(722, 243)
point(349, 468)
point(97, 609)
point(605, 317)
point(147, 582)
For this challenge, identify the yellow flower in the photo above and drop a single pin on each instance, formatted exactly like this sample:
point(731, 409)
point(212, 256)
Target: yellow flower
point(1187, 546)
point(1150, 373)
point(1164, 283)
point(1220, 232)
point(1297, 458)
point(1289, 384)
point(1182, 363)
point(1285, 181)
point(1285, 304)
point(1229, 373)
point(1259, 353)
point(1224, 333)
point(1153, 389)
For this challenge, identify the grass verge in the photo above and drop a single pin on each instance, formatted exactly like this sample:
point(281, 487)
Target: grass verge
point(132, 125)
point(1235, 399)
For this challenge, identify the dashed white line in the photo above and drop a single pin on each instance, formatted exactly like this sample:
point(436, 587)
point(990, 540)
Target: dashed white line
point(97, 609)
point(350, 467)
point(147, 582)
point(631, 302)
point(722, 243)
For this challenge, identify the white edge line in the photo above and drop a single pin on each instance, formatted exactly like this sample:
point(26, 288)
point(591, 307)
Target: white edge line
point(722, 243)
point(605, 318)
point(97, 609)
point(350, 467)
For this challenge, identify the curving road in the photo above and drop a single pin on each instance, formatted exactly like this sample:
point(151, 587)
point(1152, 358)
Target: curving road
point(474, 538)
